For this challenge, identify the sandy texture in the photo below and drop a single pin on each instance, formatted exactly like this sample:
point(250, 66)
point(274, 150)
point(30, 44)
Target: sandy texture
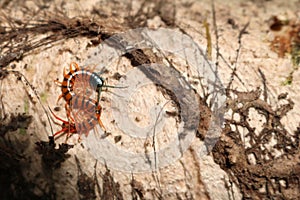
point(242, 153)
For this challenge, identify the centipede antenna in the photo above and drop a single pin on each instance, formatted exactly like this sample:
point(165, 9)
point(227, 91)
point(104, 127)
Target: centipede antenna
point(111, 86)
point(17, 73)
point(99, 90)
point(115, 94)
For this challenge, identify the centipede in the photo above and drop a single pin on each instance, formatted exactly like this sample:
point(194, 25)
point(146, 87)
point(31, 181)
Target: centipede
point(85, 116)
point(83, 112)
point(79, 82)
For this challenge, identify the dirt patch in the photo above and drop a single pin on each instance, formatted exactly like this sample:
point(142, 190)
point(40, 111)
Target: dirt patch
point(259, 144)
point(253, 156)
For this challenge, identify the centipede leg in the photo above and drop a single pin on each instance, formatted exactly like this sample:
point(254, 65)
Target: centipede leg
point(59, 132)
point(60, 96)
point(70, 129)
point(98, 114)
point(76, 67)
point(57, 82)
point(68, 135)
point(58, 118)
point(68, 111)
point(65, 72)
point(101, 124)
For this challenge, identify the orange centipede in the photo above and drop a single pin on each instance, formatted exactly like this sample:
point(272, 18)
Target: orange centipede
point(85, 116)
point(78, 82)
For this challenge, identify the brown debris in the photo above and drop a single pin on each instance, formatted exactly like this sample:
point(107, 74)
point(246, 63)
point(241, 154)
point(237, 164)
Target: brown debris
point(259, 179)
point(15, 122)
point(288, 40)
point(52, 157)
